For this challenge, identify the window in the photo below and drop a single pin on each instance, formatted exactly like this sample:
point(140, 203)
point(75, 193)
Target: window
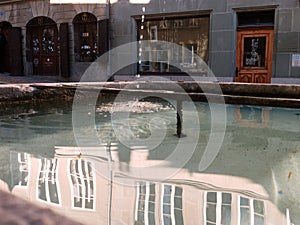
point(191, 35)
point(48, 189)
point(254, 52)
point(145, 204)
point(85, 37)
point(171, 205)
point(257, 18)
point(20, 170)
point(218, 208)
point(251, 211)
point(82, 180)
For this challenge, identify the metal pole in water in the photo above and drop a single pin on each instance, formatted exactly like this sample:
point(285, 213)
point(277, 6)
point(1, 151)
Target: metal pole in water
point(179, 117)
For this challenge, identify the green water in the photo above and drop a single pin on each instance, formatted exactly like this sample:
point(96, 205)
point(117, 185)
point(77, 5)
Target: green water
point(254, 178)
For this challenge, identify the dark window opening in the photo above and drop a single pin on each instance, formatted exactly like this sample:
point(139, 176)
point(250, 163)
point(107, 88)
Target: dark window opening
point(263, 18)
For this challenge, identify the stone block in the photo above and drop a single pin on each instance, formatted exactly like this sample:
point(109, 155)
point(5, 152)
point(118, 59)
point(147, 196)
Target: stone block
point(222, 64)
point(249, 3)
point(216, 5)
point(287, 42)
point(222, 41)
point(285, 20)
point(289, 3)
point(295, 72)
point(296, 20)
point(282, 65)
point(222, 21)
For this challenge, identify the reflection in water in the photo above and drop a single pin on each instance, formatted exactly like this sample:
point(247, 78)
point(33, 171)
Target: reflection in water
point(215, 200)
point(253, 181)
point(20, 168)
point(82, 177)
point(48, 184)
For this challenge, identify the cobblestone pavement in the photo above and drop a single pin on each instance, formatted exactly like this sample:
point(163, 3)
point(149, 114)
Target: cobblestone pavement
point(6, 78)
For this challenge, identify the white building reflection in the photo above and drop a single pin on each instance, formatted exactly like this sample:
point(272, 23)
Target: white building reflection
point(71, 184)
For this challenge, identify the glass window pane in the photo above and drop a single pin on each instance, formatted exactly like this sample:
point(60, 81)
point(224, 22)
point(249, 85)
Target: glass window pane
point(167, 220)
point(259, 220)
point(178, 217)
point(151, 218)
point(226, 215)
point(212, 197)
point(178, 191)
point(244, 201)
point(167, 209)
point(245, 216)
point(178, 203)
point(151, 207)
point(226, 198)
point(167, 189)
point(254, 51)
point(190, 33)
point(211, 213)
point(141, 216)
point(167, 199)
point(258, 207)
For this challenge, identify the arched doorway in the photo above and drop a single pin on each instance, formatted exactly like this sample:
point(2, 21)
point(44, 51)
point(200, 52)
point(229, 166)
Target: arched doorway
point(5, 56)
point(42, 40)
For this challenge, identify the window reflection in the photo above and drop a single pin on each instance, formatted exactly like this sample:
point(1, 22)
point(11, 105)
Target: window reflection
point(251, 211)
point(83, 184)
point(171, 209)
point(145, 205)
point(248, 116)
point(48, 184)
point(218, 208)
point(20, 170)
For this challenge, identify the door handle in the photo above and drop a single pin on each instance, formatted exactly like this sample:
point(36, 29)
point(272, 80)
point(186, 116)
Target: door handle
point(236, 71)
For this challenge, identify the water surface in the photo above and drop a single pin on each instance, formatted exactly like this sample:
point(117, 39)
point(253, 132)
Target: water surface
point(253, 180)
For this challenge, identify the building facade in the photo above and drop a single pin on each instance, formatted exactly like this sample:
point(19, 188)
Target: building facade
point(243, 41)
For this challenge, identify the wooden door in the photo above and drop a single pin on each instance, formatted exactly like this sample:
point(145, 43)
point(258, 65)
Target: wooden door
point(15, 51)
point(6, 55)
point(254, 56)
point(44, 50)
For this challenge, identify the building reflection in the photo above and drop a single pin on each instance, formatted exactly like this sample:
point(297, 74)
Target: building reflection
point(249, 116)
point(72, 185)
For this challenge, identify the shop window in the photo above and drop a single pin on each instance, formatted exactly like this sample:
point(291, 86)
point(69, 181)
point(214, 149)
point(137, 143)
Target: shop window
point(191, 34)
point(85, 37)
